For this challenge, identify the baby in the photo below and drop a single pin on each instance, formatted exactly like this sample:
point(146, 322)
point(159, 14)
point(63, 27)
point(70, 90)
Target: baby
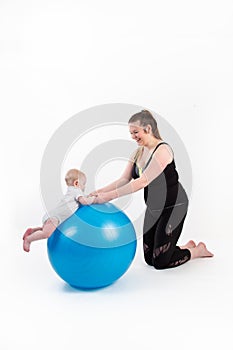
point(75, 180)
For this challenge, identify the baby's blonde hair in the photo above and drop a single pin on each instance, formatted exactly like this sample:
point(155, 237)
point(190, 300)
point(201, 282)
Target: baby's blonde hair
point(73, 175)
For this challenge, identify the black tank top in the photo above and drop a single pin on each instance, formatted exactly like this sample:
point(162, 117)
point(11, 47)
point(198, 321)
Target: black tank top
point(165, 190)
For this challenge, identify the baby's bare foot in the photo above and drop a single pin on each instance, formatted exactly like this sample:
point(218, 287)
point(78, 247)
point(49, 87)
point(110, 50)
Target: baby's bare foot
point(26, 245)
point(189, 244)
point(27, 233)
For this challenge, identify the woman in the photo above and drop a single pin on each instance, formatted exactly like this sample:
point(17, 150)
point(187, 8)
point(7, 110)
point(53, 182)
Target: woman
point(152, 167)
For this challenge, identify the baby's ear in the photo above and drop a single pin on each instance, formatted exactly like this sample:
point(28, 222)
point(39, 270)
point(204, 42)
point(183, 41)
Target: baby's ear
point(76, 183)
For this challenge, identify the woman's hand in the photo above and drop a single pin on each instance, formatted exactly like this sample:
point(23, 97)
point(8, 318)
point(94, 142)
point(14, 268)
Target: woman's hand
point(87, 200)
point(105, 197)
point(95, 193)
point(100, 199)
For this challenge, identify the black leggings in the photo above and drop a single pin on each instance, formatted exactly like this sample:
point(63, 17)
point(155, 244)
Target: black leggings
point(162, 229)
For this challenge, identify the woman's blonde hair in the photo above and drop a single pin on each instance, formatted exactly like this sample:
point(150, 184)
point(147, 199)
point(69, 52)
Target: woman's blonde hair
point(145, 118)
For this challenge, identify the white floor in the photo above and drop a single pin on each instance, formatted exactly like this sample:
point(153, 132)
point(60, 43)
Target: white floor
point(184, 308)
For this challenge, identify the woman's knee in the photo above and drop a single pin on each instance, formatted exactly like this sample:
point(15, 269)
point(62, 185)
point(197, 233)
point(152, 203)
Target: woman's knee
point(159, 264)
point(148, 253)
point(148, 260)
point(161, 256)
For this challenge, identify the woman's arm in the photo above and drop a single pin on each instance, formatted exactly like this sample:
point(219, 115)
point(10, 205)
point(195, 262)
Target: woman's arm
point(130, 187)
point(123, 180)
point(157, 164)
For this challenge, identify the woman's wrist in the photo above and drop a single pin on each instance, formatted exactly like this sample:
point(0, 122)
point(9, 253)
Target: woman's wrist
point(113, 194)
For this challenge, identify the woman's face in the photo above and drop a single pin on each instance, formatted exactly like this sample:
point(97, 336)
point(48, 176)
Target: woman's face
point(137, 133)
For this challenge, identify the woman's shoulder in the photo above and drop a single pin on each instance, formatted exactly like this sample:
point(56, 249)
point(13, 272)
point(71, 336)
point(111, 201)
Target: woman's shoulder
point(163, 145)
point(164, 151)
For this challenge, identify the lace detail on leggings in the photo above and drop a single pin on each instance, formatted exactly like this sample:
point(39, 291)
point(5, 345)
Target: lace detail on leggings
point(163, 249)
point(145, 248)
point(179, 262)
point(169, 230)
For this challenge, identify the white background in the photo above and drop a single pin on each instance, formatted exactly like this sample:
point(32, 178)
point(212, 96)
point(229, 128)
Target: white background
point(60, 57)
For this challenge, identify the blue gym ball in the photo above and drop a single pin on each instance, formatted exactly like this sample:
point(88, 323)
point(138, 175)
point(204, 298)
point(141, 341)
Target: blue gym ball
point(93, 247)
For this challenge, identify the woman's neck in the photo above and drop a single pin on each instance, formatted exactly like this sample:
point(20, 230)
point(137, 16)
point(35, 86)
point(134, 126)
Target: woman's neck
point(152, 143)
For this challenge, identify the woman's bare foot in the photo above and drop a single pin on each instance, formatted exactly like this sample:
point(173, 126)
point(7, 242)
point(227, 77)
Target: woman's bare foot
point(189, 244)
point(200, 251)
point(26, 245)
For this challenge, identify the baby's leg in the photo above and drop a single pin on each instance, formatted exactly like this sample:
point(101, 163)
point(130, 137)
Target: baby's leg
point(49, 227)
point(31, 230)
point(46, 231)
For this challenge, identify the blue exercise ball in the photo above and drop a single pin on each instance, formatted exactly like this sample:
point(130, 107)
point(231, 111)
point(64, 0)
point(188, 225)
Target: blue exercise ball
point(93, 247)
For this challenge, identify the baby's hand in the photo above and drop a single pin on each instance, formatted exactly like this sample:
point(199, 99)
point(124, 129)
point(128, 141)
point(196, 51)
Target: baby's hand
point(86, 200)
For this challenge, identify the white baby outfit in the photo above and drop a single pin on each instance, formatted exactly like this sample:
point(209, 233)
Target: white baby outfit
point(67, 205)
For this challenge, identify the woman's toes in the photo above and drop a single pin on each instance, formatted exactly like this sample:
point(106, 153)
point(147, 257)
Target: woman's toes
point(204, 252)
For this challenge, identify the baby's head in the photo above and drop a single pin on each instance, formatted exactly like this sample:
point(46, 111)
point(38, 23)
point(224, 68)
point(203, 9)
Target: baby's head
point(76, 178)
